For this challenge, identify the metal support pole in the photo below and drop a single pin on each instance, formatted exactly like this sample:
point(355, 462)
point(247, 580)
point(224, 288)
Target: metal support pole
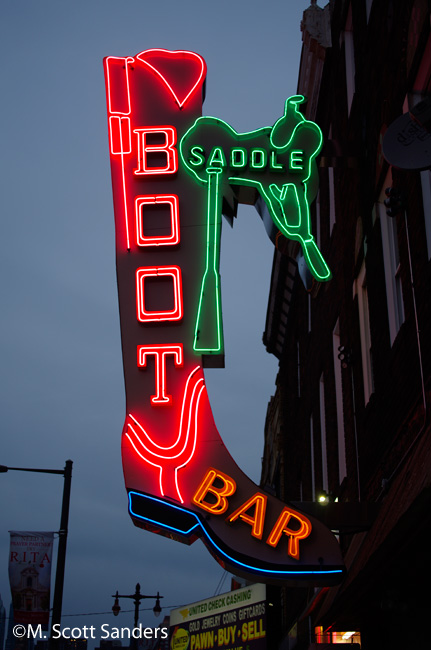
point(62, 543)
point(137, 601)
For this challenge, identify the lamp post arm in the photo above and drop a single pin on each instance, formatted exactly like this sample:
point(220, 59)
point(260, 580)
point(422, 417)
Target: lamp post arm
point(136, 597)
point(5, 468)
point(133, 596)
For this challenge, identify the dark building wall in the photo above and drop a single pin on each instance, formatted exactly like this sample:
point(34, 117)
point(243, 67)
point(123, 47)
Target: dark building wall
point(377, 425)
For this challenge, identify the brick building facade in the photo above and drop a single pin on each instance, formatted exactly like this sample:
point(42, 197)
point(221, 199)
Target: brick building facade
point(350, 415)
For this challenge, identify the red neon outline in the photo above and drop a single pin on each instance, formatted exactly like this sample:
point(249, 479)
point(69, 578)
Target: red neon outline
point(126, 60)
point(126, 213)
point(160, 352)
point(159, 240)
point(119, 121)
point(116, 117)
point(144, 316)
point(184, 447)
point(168, 54)
point(169, 148)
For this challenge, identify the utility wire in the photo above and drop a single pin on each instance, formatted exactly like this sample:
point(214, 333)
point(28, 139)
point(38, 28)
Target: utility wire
point(122, 611)
point(220, 583)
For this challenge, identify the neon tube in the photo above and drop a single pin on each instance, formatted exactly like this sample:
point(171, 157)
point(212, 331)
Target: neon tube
point(173, 56)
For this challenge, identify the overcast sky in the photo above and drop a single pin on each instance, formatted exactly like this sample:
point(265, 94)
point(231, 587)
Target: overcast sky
point(62, 393)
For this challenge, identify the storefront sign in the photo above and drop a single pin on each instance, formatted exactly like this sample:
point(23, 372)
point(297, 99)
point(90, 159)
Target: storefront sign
point(231, 621)
point(174, 173)
point(30, 576)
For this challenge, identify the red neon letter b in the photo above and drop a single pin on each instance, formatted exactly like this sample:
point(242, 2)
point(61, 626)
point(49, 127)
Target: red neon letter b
point(167, 149)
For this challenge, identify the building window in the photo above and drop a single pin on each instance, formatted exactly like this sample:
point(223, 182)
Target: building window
point(331, 189)
point(329, 637)
point(391, 259)
point(313, 476)
point(426, 198)
point(323, 433)
point(309, 312)
point(331, 199)
point(360, 288)
point(298, 362)
point(349, 55)
point(318, 228)
point(336, 342)
point(420, 89)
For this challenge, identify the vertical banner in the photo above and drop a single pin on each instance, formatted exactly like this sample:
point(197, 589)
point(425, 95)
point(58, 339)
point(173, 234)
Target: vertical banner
point(232, 621)
point(30, 562)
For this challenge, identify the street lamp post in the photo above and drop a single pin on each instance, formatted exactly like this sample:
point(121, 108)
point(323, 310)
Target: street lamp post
point(136, 597)
point(62, 542)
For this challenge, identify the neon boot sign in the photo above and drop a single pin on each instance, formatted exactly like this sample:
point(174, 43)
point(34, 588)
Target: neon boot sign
point(173, 174)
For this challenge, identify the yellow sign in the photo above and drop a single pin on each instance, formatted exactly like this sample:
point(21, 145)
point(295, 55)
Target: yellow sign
point(180, 639)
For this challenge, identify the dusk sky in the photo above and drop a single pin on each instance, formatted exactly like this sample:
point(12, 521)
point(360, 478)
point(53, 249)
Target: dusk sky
point(62, 391)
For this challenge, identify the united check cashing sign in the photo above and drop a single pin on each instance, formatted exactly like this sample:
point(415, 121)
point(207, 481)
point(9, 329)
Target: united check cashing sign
point(231, 621)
